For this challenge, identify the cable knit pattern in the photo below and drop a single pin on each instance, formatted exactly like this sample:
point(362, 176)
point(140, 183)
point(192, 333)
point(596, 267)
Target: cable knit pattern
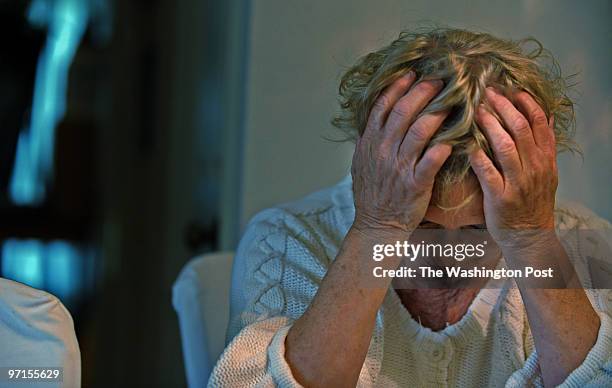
point(283, 258)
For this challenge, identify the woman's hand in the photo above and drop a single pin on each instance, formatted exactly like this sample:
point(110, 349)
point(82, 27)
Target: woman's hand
point(519, 200)
point(392, 188)
point(392, 183)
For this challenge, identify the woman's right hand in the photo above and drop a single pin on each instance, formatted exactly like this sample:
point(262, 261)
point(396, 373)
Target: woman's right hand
point(392, 184)
point(392, 189)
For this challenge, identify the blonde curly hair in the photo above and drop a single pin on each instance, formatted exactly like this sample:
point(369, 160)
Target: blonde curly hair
point(467, 62)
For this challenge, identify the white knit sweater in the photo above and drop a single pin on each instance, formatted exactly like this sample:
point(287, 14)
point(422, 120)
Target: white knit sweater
point(281, 261)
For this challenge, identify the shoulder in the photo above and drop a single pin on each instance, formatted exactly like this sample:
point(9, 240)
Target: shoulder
point(302, 236)
point(587, 239)
point(285, 253)
point(318, 218)
point(574, 215)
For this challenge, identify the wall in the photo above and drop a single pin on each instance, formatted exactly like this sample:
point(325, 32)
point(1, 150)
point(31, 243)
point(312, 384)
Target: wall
point(297, 51)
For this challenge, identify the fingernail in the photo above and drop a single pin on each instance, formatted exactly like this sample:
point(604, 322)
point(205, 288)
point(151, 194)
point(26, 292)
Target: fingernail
point(437, 83)
point(492, 90)
point(410, 74)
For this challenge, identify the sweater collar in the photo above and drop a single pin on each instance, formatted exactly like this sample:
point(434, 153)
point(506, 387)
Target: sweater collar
point(475, 322)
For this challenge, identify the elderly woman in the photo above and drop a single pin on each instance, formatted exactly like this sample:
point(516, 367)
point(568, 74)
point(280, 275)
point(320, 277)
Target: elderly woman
point(454, 130)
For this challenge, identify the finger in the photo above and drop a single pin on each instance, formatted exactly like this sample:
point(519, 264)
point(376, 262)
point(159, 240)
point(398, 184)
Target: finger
point(385, 102)
point(426, 169)
point(542, 132)
point(490, 179)
point(514, 122)
point(419, 134)
point(551, 124)
point(407, 108)
point(501, 142)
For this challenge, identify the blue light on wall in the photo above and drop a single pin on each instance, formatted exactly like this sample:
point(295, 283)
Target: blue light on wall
point(66, 22)
point(23, 261)
point(64, 269)
point(58, 267)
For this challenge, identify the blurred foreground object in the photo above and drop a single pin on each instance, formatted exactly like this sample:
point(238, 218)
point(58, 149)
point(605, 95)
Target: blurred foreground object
point(36, 331)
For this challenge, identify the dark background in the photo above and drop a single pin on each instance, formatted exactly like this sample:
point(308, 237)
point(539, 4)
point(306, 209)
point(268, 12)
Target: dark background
point(186, 117)
point(130, 188)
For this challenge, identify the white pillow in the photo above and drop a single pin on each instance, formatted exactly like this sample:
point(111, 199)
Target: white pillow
point(36, 331)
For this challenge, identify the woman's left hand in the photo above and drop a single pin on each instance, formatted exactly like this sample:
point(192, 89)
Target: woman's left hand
point(519, 203)
point(520, 197)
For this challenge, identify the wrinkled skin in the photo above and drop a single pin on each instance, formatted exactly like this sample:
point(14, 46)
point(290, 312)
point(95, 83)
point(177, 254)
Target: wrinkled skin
point(521, 197)
point(392, 188)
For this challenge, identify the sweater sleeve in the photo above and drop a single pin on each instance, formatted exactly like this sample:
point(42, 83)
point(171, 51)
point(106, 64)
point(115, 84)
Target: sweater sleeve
point(275, 276)
point(596, 369)
point(256, 357)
